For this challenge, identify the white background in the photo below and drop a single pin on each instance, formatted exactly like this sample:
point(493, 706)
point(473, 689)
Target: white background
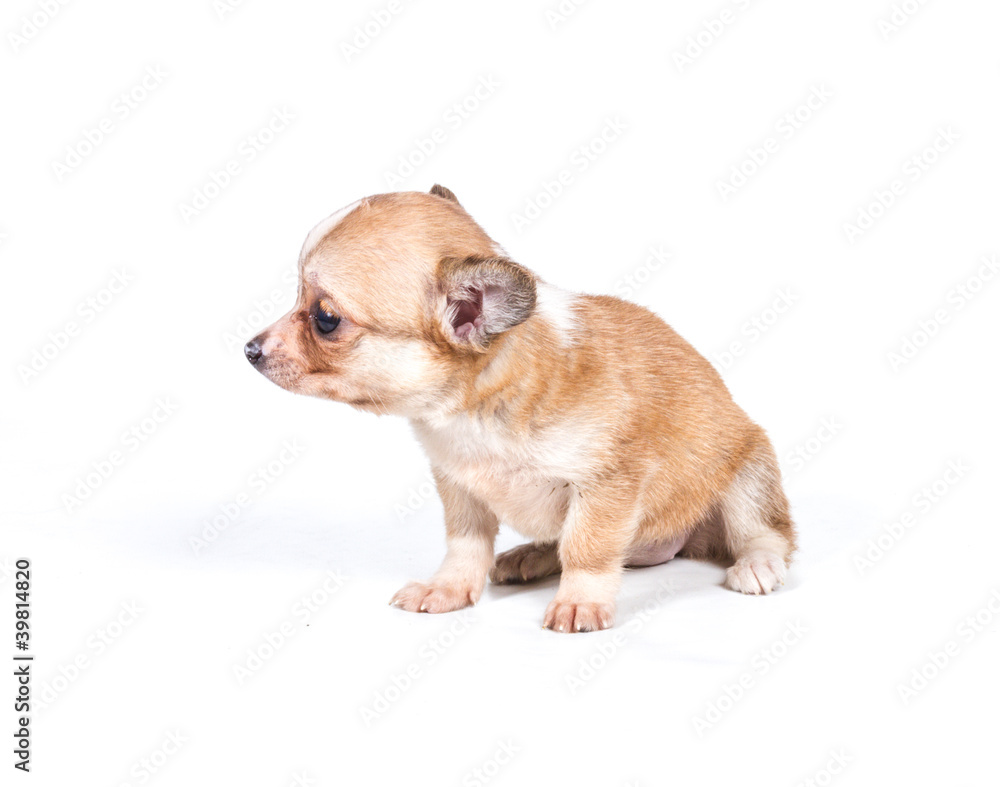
point(655, 701)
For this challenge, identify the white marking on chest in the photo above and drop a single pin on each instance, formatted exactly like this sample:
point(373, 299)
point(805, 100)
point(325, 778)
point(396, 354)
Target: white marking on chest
point(555, 306)
point(525, 482)
point(321, 230)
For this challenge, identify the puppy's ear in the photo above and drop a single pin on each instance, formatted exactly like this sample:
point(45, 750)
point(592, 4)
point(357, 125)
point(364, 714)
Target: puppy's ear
point(440, 191)
point(483, 297)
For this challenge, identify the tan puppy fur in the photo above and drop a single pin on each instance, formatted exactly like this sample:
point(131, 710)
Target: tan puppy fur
point(583, 422)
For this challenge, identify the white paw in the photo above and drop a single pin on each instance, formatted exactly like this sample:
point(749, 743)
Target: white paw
point(759, 572)
point(420, 597)
point(570, 618)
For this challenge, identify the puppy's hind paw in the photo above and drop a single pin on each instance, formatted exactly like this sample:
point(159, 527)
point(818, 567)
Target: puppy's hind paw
point(420, 597)
point(760, 572)
point(525, 563)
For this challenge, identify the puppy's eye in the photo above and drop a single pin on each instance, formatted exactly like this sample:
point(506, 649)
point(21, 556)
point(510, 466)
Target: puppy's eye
point(326, 319)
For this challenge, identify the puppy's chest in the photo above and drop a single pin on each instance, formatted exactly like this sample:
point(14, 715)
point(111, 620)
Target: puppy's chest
point(524, 481)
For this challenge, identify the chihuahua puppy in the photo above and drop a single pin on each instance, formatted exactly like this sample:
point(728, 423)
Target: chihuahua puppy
point(582, 421)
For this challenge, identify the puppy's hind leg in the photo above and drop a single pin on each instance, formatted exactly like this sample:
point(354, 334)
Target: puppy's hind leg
point(757, 527)
point(525, 563)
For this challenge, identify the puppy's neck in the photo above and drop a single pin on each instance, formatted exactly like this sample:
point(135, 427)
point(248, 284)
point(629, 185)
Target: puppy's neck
point(504, 386)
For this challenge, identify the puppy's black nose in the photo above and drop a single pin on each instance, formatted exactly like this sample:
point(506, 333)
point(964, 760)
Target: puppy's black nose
point(253, 351)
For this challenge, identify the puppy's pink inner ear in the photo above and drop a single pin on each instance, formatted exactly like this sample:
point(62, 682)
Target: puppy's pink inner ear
point(468, 314)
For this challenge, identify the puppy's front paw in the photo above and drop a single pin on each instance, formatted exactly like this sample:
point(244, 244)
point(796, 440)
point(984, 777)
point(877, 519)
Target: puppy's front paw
point(760, 572)
point(570, 618)
point(418, 597)
point(524, 563)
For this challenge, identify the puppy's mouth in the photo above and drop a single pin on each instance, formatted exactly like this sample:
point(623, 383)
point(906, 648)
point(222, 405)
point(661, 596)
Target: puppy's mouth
point(272, 366)
point(280, 375)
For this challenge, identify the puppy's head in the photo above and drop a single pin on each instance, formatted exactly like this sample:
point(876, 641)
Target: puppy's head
point(400, 297)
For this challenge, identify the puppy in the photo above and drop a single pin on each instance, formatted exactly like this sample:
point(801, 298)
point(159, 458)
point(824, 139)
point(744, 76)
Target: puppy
point(582, 421)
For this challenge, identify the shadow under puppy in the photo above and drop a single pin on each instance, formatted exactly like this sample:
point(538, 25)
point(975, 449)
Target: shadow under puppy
point(584, 422)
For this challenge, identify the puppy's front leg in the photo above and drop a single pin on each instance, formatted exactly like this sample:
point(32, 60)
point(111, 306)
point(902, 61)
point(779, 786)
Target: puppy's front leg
point(593, 546)
point(471, 531)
